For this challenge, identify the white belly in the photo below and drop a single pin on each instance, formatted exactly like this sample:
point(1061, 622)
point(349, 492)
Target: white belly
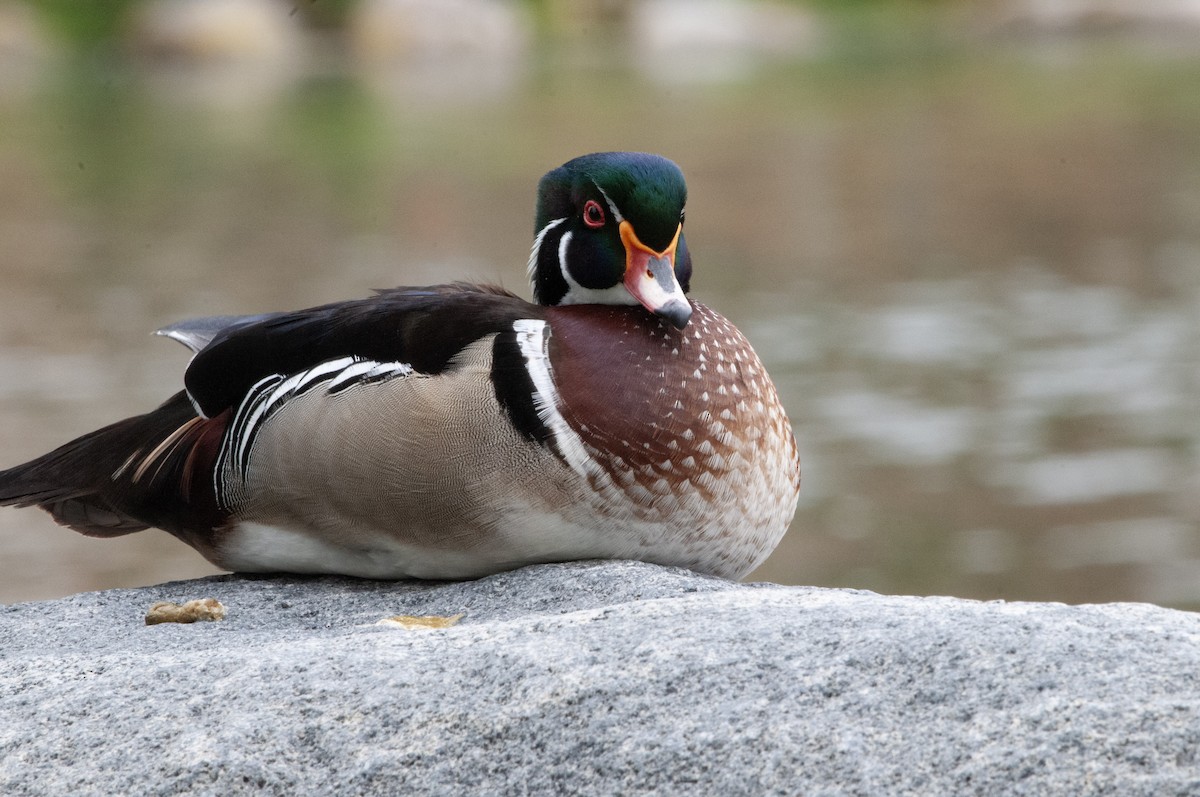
point(260, 548)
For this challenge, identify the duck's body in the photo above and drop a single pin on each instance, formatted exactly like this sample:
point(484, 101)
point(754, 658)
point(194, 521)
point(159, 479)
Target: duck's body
point(455, 431)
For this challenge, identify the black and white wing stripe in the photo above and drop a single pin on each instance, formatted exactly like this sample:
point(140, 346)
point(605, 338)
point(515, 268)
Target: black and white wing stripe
point(250, 367)
point(267, 396)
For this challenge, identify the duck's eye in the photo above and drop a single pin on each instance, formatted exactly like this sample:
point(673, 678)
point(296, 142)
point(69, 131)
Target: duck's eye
point(593, 214)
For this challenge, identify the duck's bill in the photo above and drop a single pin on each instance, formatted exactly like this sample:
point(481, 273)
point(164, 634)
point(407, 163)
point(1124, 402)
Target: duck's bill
point(650, 278)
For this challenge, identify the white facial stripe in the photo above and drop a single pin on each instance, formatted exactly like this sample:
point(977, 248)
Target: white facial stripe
point(532, 337)
point(611, 205)
point(562, 260)
point(537, 246)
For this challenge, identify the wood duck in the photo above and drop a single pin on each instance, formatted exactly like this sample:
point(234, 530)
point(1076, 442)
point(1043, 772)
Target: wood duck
point(457, 430)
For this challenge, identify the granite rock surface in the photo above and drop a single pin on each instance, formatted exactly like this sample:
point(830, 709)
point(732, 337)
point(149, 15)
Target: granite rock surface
point(594, 678)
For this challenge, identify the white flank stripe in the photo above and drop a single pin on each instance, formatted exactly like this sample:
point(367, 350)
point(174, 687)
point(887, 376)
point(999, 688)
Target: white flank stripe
point(531, 338)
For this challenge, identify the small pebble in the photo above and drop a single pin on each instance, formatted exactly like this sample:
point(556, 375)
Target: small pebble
point(411, 622)
point(190, 612)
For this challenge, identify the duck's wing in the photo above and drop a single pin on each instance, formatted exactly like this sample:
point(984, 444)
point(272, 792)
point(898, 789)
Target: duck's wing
point(158, 469)
point(196, 333)
point(421, 328)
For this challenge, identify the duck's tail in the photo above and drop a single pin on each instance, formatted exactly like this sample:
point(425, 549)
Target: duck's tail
point(144, 471)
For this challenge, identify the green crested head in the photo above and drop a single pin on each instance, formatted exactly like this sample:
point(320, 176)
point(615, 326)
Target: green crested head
point(610, 231)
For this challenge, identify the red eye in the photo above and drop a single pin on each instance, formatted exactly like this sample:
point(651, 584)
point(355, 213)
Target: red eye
point(593, 214)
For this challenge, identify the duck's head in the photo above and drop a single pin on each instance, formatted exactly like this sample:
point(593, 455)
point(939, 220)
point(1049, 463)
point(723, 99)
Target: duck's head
point(610, 231)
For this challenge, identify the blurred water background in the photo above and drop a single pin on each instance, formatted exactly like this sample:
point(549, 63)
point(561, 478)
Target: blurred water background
point(964, 236)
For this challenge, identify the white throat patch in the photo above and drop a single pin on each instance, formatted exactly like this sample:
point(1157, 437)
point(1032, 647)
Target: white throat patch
point(577, 294)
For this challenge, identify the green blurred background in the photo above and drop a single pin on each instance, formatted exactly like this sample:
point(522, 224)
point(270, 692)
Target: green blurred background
point(964, 237)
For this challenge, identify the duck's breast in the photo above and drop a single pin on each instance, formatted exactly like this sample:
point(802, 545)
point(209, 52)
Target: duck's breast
point(683, 429)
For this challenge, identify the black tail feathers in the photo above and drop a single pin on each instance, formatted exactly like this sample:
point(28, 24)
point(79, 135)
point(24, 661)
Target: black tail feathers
point(98, 484)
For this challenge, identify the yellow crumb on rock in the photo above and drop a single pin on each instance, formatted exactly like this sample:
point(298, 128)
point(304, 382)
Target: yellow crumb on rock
point(411, 622)
point(190, 612)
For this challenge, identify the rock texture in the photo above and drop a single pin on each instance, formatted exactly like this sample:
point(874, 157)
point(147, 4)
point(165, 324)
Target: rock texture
point(594, 678)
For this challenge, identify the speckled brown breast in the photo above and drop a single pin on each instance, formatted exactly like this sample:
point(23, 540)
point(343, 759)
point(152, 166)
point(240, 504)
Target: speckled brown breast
point(685, 427)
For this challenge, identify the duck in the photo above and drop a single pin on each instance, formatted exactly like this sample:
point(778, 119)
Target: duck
point(456, 431)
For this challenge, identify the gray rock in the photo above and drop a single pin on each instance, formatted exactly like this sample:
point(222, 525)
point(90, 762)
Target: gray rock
point(594, 678)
